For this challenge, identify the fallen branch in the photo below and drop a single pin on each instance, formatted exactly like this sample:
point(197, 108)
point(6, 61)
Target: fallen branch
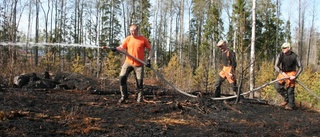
point(234, 109)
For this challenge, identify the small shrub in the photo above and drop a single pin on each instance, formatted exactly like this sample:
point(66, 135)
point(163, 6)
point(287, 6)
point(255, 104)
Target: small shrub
point(265, 74)
point(77, 65)
point(311, 80)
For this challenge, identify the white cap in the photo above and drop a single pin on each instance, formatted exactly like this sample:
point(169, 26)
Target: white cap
point(220, 43)
point(286, 45)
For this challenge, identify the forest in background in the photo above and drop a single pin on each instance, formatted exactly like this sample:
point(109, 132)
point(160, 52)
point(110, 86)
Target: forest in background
point(183, 34)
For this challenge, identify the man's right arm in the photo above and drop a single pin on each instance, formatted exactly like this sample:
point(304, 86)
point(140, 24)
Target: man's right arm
point(276, 66)
point(124, 44)
point(299, 66)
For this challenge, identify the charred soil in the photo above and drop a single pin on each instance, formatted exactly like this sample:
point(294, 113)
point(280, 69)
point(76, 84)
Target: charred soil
point(90, 113)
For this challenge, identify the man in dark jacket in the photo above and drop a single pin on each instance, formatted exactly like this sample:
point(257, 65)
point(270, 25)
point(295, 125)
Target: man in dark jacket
point(286, 64)
point(228, 70)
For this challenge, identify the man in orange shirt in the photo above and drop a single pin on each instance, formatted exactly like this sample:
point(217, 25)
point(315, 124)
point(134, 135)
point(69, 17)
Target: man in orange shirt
point(135, 45)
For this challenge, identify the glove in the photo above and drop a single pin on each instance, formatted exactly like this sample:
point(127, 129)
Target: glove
point(232, 76)
point(113, 49)
point(148, 63)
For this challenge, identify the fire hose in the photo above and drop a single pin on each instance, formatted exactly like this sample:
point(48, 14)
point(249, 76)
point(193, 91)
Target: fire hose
point(218, 98)
point(305, 87)
point(158, 74)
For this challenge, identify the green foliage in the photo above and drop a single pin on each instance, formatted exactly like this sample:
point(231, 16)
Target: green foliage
point(204, 78)
point(241, 21)
point(310, 79)
point(287, 33)
point(214, 25)
point(112, 65)
point(172, 69)
point(186, 75)
point(144, 15)
point(268, 28)
point(77, 65)
point(200, 78)
point(111, 27)
point(266, 74)
point(149, 73)
point(47, 61)
point(178, 75)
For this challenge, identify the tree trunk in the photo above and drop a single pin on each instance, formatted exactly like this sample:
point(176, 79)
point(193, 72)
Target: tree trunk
point(170, 31)
point(252, 55)
point(155, 43)
point(28, 33)
point(37, 34)
point(181, 28)
point(46, 14)
point(310, 34)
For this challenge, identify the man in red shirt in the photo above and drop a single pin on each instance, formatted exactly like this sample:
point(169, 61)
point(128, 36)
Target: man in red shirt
point(135, 45)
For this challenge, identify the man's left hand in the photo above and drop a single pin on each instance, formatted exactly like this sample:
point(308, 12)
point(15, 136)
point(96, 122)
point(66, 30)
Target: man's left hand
point(232, 76)
point(113, 49)
point(292, 77)
point(148, 63)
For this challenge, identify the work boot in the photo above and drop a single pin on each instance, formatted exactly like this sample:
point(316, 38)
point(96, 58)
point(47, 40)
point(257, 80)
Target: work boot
point(121, 100)
point(288, 107)
point(284, 93)
point(124, 94)
point(284, 103)
point(140, 96)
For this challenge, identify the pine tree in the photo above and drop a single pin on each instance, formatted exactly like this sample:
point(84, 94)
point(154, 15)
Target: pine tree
point(111, 27)
point(267, 30)
point(213, 29)
point(112, 65)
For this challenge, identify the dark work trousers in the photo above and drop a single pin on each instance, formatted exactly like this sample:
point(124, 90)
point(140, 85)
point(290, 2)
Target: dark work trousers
point(218, 83)
point(138, 73)
point(286, 92)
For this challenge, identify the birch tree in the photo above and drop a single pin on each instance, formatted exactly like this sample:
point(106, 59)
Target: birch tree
point(252, 53)
point(311, 49)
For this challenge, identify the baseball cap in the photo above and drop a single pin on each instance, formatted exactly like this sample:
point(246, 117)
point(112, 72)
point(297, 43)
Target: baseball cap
point(220, 43)
point(286, 45)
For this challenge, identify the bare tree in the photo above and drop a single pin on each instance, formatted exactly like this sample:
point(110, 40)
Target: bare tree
point(310, 34)
point(37, 34)
point(29, 28)
point(301, 21)
point(252, 53)
point(181, 28)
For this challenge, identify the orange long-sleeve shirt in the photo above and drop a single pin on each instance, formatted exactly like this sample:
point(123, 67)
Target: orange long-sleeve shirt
point(135, 46)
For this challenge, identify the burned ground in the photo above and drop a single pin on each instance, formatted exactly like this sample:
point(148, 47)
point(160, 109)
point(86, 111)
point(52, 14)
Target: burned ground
point(74, 112)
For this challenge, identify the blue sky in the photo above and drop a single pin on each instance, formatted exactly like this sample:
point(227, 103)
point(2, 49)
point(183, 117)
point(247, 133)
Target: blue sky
point(289, 10)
